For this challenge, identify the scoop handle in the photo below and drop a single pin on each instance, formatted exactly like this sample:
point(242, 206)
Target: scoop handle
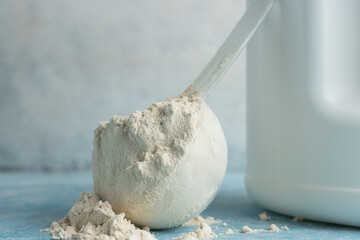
point(230, 49)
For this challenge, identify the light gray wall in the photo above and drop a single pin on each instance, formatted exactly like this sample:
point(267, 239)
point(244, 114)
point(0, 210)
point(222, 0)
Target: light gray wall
point(65, 65)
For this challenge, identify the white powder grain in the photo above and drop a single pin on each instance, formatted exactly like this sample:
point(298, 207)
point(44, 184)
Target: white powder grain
point(197, 220)
point(297, 219)
point(229, 231)
point(224, 224)
point(91, 218)
point(161, 166)
point(274, 228)
point(264, 217)
point(203, 232)
point(247, 229)
point(285, 228)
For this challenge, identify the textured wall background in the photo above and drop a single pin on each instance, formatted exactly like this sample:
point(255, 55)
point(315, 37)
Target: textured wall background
point(65, 65)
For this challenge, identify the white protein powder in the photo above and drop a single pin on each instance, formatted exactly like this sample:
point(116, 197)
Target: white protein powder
point(274, 228)
point(197, 220)
point(264, 217)
point(161, 166)
point(91, 218)
point(203, 232)
point(285, 228)
point(247, 229)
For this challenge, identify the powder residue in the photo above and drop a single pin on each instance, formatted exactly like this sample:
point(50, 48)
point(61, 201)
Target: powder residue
point(264, 217)
point(285, 228)
point(91, 218)
point(248, 230)
point(274, 228)
point(229, 231)
point(198, 220)
point(297, 219)
point(203, 232)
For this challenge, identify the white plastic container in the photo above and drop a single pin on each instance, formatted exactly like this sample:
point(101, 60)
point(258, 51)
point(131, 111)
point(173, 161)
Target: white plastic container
point(303, 111)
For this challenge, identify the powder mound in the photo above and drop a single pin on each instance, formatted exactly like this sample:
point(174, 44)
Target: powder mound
point(203, 232)
point(247, 229)
point(285, 228)
point(197, 220)
point(91, 218)
point(274, 228)
point(264, 217)
point(155, 165)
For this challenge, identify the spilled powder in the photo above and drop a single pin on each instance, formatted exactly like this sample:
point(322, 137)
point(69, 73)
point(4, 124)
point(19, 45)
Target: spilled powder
point(91, 218)
point(248, 230)
point(264, 217)
point(285, 228)
point(203, 232)
point(274, 228)
point(297, 219)
point(198, 220)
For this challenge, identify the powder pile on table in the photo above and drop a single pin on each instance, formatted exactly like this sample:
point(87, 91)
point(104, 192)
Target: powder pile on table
point(272, 228)
point(197, 220)
point(264, 217)
point(203, 232)
point(91, 218)
point(229, 231)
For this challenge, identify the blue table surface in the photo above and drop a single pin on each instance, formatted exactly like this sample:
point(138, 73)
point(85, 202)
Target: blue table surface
point(31, 201)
